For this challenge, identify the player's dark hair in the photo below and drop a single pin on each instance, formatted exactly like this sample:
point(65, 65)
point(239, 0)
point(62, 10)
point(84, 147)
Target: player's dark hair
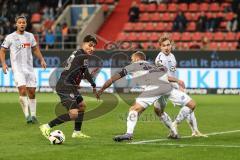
point(139, 54)
point(18, 17)
point(90, 38)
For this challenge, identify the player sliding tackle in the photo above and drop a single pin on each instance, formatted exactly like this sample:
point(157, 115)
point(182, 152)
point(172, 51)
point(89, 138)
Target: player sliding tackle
point(167, 59)
point(154, 81)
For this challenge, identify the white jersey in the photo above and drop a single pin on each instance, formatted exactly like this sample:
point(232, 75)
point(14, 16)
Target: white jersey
point(20, 46)
point(168, 61)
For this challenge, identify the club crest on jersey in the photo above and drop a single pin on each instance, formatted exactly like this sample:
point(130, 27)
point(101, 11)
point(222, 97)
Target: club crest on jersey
point(173, 68)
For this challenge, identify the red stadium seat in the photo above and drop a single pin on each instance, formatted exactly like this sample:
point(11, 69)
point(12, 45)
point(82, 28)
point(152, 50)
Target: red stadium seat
point(214, 7)
point(128, 27)
point(144, 17)
point(195, 16)
point(160, 27)
point(162, 7)
point(185, 45)
point(197, 36)
point(149, 27)
point(109, 1)
point(176, 36)
point(100, 1)
point(186, 36)
point(36, 18)
point(172, 7)
point(230, 36)
point(224, 6)
point(142, 7)
point(218, 36)
point(155, 17)
point(183, 7)
point(166, 17)
point(203, 7)
point(238, 36)
point(105, 7)
point(193, 7)
point(213, 45)
point(139, 26)
point(151, 8)
point(188, 16)
point(229, 16)
point(209, 35)
point(191, 26)
point(143, 36)
point(233, 45)
point(223, 46)
point(122, 36)
point(154, 36)
point(168, 26)
point(132, 36)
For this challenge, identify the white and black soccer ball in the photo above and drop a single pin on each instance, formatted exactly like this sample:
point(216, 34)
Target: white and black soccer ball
point(56, 137)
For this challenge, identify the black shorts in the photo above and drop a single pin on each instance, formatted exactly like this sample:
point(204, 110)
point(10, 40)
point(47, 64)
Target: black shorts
point(69, 96)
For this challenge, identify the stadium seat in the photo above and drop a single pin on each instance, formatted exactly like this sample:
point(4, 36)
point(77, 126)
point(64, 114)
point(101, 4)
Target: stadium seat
point(144, 17)
point(166, 17)
point(36, 18)
point(183, 7)
point(185, 45)
point(238, 36)
point(224, 6)
point(218, 36)
point(188, 16)
point(109, 1)
point(160, 27)
point(100, 1)
point(193, 7)
point(209, 35)
point(155, 17)
point(223, 46)
point(229, 16)
point(154, 36)
point(132, 37)
point(186, 36)
point(150, 26)
point(162, 7)
point(191, 26)
point(151, 8)
point(122, 36)
point(213, 45)
point(230, 36)
point(142, 7)
point(214, 7)
point(139, 26)
point(233, 45)
point(203, 7)
point(143, 36)
point(172, 7)
point(195, 16)
point(128, 26)
point(176, 36)
point(197, 36)
point(168, 26)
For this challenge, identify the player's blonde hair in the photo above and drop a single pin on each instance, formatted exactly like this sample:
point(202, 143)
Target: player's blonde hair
point(139, 54)
point(164, 37)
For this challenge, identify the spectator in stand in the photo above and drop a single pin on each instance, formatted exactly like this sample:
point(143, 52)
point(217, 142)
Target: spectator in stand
point(194, 45)
point(1, 31)
point(232, 25)
point(133, 12)
point(214, 22)
point(202, 23)
point(49, 39)
point(180, 22)
point(58, 35)
point(65, 33)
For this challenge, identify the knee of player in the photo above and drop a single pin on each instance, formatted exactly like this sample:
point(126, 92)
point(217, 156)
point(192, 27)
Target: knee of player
point(73, 114)
point(192, 104)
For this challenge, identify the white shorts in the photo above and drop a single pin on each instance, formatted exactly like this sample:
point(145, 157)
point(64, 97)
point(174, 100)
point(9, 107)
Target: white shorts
point(176, 96)
point(145, 102)
point(25, 79)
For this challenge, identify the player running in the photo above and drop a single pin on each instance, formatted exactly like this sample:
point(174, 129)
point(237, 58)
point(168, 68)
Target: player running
point(75, 69)
point(153, 80)
point(21, 44)
point(167, 59)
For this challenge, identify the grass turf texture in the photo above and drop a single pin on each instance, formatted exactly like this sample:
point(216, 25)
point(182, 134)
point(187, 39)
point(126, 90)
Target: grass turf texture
point(214, 113)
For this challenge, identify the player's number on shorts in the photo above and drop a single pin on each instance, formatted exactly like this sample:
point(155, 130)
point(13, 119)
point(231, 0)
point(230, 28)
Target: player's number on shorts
point(69, 62)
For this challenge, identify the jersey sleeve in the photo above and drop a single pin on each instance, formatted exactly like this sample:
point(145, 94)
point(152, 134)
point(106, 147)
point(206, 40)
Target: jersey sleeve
point(160, 60)
point(6, 43)
point(33, 40)
point(127, 69)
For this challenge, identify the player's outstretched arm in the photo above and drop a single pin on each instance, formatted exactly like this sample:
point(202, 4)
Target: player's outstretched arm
point(109, 82)
point(180, 82)
point(2, 60)
point(38, 54)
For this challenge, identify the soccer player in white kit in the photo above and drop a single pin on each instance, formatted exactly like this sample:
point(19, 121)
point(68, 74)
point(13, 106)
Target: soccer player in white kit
point(167, 59)
point(21, 44)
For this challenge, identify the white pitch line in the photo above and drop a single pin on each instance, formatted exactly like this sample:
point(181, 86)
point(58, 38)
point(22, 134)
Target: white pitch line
point(199, 145)
point(165, 139)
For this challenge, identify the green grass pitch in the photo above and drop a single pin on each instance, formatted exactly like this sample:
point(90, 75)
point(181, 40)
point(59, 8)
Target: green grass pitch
point(19, 141)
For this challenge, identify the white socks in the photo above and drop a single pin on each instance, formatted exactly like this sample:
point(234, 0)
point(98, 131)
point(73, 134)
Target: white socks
point(24, 104)
point(32, 107)
point(167, 121)
point(183, 113)
point(131, 121)
point(192, 121)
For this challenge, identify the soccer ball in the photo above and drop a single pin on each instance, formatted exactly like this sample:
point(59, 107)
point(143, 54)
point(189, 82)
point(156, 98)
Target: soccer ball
point(56, 137)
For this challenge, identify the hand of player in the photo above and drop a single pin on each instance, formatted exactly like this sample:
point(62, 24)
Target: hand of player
point(181, 84)
point(5, 68)
point(95, 92)
point(43, 64)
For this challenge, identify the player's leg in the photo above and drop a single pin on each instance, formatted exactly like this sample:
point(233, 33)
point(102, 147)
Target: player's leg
point(32, 103)
point(159, 107)
point(31, 88)
point(78, 122)
point(132, 118)
point(20, 81)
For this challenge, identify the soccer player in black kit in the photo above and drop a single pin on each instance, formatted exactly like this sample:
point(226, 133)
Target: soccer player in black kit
point(75, 68)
